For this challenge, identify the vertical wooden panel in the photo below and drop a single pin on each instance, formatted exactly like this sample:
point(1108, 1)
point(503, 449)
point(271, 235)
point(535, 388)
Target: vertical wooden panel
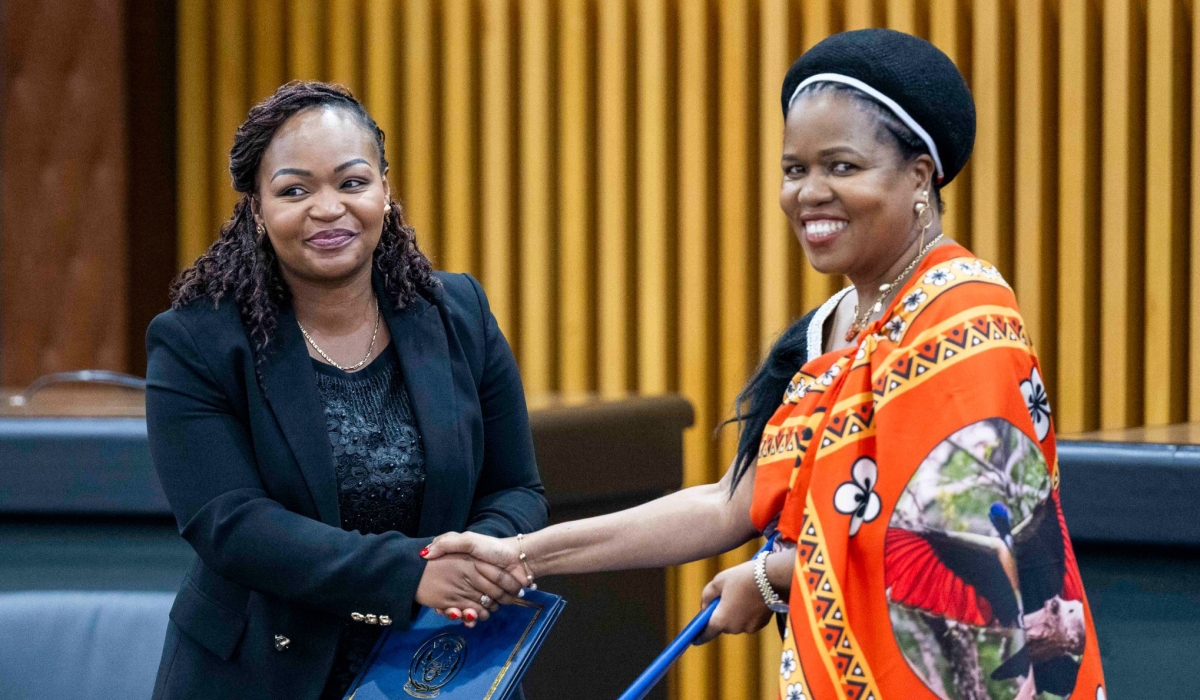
point(266, 19)
point(304, 40)
point(194, 131)
point(380, 60)
point(1167, 81)
point(906, 16)
point(460, 98)
point(1194, 242)
point(736, 173)
point(1122, 214)
point(343, 43)
point(949, 30)
point(496, 138)
point(1078, 219)
point(1034, 215)
point(537, 196)
point(576, 300)
point(818, 22)
point(614, 249)
point(697, 308)
point(653, 199)
point(420, 153)
point(63, 187)
point(863, 14)
point(229, 102)
point(991, 185)
point(779, 261)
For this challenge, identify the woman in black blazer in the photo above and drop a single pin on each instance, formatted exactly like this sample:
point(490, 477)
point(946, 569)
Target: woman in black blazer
point(320, 405)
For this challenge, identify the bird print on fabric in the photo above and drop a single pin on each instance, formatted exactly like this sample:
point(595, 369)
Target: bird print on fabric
point(985, 599)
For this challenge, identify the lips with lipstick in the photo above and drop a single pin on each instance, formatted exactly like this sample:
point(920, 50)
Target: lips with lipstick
point(817, 230)
point(330, 239)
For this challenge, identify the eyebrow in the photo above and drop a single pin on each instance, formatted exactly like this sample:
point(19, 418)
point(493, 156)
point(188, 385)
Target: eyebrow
point(291, 171)
point(839, 149)
point(308, 173)
point(348, 163)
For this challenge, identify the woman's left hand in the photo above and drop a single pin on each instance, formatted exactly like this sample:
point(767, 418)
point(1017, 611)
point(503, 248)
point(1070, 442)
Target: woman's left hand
point(741, 609)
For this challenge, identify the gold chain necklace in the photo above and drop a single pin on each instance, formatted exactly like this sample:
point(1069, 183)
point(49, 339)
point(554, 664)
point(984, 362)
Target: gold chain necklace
point(860, 320)
point(370, 348)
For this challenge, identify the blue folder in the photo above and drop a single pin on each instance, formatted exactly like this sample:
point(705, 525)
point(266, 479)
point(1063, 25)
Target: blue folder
point(438, 658)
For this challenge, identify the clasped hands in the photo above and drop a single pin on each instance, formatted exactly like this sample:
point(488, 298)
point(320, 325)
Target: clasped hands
point(467, 566)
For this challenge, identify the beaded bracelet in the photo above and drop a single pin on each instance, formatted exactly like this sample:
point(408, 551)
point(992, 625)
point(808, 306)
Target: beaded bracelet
point(524, 562)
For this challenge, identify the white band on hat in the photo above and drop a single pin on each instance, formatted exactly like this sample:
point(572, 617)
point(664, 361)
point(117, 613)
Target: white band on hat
point(887, 102)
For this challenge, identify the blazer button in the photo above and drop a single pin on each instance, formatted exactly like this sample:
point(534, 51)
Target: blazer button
point(385, 620)
point(357, 617)
point(372, 619)
point(282, 643)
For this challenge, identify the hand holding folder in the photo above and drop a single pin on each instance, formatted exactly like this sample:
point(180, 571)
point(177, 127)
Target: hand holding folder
point(438, 658)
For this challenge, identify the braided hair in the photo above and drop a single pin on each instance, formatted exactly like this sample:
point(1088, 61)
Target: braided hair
point(242, 264)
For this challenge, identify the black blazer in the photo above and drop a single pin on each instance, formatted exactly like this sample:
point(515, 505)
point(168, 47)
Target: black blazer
point(249, 473)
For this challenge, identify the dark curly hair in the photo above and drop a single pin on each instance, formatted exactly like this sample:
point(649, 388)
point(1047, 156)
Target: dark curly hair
point(242, 264)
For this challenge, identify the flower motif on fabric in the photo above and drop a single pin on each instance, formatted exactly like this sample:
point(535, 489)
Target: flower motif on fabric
point(1038, 404)
point(939, 277)
point(992, 273)
point(914, 299)
point(968, 269)
point(857, 497)
point(787, 664)
point(828, 376)
point(895, 328)
point(796, 390)
point(794, 692)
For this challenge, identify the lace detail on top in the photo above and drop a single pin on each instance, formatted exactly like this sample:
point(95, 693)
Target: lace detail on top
point(379, 463)
point(378, 455)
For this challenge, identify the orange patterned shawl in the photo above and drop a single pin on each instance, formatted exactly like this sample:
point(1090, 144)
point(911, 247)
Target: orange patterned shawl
point(916, 472)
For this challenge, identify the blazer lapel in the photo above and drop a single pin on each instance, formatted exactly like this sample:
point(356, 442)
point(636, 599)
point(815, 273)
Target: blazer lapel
point(291, 387)
point(420, 340)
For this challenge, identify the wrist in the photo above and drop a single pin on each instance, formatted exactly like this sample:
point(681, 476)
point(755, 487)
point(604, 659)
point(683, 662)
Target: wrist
point(779, 571)
point(525, 560)
point(770, 596)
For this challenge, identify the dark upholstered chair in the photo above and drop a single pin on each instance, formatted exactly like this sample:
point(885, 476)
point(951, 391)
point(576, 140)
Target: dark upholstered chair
point(76, 645)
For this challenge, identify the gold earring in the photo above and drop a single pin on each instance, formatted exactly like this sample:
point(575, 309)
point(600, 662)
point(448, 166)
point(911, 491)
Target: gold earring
point(260, 230)
point(924, 216)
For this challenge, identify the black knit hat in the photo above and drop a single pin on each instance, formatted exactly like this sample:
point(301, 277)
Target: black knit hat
point(908, 75)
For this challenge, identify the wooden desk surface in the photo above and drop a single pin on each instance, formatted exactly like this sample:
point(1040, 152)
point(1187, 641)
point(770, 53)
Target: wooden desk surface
point(80, 401)
point(75, 401)
point(1178, 434)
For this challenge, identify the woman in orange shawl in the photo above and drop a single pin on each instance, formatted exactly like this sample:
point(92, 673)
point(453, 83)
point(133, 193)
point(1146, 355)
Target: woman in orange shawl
point(911, 471)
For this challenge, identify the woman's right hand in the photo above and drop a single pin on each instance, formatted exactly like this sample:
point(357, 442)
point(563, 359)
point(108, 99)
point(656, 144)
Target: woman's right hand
point(455, 583)
point(502, 553)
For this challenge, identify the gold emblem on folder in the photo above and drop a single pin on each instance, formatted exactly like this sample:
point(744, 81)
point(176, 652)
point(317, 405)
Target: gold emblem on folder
point(435, 664)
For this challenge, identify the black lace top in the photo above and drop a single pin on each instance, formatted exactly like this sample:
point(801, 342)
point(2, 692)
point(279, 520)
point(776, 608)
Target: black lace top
point(380, 472)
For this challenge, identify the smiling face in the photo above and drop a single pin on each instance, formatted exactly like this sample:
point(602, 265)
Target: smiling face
point(321, 196)
point(847, 190)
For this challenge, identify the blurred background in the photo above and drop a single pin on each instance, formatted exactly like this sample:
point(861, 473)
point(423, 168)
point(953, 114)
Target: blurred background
point(609, 170)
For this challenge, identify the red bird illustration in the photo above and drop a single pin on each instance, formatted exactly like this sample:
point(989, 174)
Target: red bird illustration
point(1022, 577)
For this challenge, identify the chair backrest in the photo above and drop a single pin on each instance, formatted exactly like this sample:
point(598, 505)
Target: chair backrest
point(81, 645)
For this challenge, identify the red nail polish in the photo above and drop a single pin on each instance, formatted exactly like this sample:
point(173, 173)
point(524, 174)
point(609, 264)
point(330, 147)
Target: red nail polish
point(470, 615)
point(425, 552)
point(453, 616)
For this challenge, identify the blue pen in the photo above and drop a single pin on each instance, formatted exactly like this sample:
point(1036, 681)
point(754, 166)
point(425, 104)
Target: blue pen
point(654, 673)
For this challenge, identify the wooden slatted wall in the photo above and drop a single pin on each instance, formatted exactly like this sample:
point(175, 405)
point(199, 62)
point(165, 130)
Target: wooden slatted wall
point(609, 169)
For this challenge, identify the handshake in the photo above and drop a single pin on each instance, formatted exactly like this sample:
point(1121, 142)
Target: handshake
point(468, 576)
